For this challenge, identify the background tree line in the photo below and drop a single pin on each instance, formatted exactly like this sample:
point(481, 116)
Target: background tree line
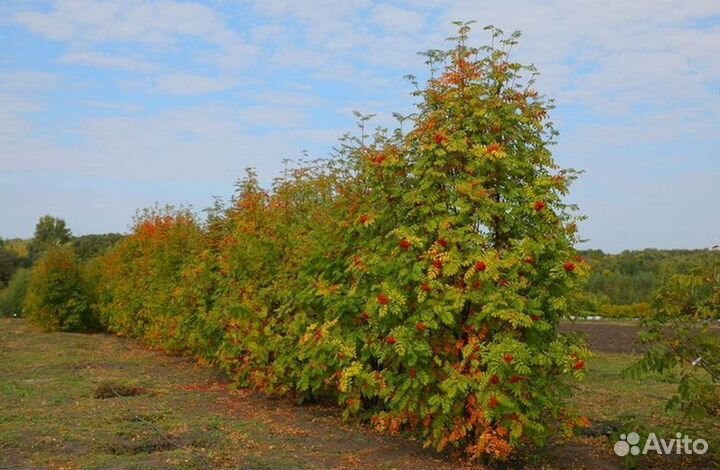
point(621, 285)
point(624, 285)
point(18, 256)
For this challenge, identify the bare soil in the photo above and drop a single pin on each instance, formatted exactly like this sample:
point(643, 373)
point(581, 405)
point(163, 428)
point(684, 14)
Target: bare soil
point(71, 401)
point(607, 336)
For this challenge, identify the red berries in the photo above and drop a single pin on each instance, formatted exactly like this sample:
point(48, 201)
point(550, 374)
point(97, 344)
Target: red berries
point(379, 159)
point(439, 138)
point(358, 262)
point(529, 260)
point(516, 379)
point(420, 326)
point(494, 380)
point(539, 205)
point(383, 299)
point(413, 373)
point(364, 219)
point(405, 244)
point(579, 365)
point(438, 263)
point(494, 149)
point(390, 340)
point(493, 402)
point(425, 287)
point(569, 266)
point(364, 317)
point(480, 266)
point(443, 243)
point(508, 358)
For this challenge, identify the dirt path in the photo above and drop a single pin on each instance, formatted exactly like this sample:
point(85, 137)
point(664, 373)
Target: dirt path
point(59, 409)
point(184, 417)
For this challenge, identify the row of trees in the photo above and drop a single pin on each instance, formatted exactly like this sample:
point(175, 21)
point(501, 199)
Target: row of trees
point(417, 277)
point(633, 277)
point(625, 284)
point(620, 285)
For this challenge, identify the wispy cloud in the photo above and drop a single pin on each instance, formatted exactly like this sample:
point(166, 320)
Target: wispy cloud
point(161, 22)
point(101, 60)
point(125, 107)
point(21, 95)
point(194, 91)
point(191, 84)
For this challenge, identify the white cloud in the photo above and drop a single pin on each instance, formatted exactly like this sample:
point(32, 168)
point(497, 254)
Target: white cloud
point(395, 19)
point(131, 21)
point(46, 25)
point(626, 74)
point(277, 117)
point(101, 60)
point(232, 56)
point(287, 98)
point(125, 107)
point(207, 143)
point(191, 84)
point(20, 95)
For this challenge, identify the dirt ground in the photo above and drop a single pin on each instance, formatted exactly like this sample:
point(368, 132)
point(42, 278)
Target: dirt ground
point(607, 336)
point(184, 415)
point(70, 401)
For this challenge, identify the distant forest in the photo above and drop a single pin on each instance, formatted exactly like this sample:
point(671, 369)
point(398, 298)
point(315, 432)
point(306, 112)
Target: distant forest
point(624, 284)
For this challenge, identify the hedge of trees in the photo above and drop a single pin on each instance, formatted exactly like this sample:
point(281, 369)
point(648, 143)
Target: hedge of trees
point(417, 278)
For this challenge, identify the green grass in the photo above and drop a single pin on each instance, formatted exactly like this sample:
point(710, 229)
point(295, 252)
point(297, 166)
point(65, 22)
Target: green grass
point(182, 416)
point(606, 396)
point(50, 419)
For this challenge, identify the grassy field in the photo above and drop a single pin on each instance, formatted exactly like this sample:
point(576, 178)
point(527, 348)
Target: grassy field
point(72, 401)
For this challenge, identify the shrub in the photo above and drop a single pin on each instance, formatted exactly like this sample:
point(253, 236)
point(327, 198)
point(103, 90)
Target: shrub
point(11, 299)
point(58, 297)
point(9, 263)
point(141, 277)
point(417, 278)
point(639, 310)
point(90, 246)
point(682, 332)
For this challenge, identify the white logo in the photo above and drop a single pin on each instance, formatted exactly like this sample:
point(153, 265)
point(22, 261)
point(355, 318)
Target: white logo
point(627, 444)
point(682, 444)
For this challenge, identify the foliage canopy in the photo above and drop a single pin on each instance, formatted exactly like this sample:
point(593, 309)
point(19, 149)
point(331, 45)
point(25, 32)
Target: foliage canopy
point(417, 277)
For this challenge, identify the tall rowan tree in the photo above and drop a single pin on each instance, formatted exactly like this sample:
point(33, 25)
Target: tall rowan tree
point(469, 265)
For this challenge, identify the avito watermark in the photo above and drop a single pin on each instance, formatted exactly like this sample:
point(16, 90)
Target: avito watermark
point(681, 444)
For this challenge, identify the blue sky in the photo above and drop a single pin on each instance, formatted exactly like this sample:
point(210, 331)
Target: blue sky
point(107, 106)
